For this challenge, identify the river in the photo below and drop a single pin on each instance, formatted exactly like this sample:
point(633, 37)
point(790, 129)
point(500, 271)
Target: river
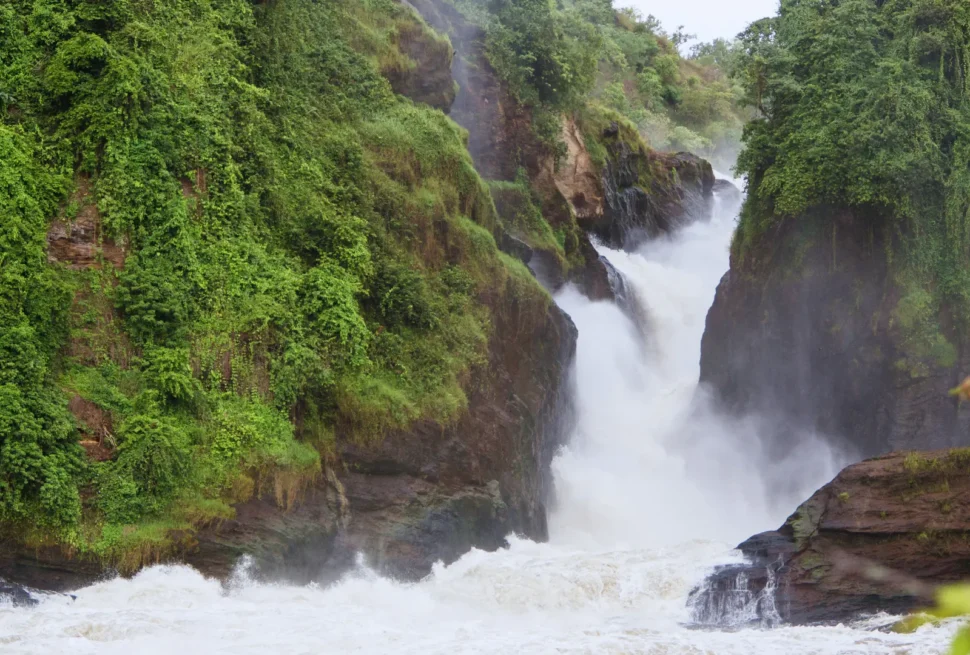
point(653, 491)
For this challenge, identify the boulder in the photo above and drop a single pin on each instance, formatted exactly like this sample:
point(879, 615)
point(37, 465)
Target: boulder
point(878, 538)
point(15, 595)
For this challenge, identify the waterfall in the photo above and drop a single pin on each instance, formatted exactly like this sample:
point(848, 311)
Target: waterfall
point(652, 461)
point(728, 599)
point(653, 491)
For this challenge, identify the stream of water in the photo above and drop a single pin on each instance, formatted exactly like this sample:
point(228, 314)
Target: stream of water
point(653, 491)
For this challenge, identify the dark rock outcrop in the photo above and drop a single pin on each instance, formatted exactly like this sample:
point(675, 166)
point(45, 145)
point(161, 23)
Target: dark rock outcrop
point(46, 567)
point(15, 595)
point(877, 538)
point(728, 195)
point(812, 326)
point(637, 194)
point(647, 194)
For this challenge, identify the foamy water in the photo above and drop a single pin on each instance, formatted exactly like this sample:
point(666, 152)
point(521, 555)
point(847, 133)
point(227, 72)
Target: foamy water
point(653, 491)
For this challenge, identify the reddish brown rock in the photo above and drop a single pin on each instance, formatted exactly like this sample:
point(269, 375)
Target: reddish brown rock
point(97, 435)
point(648, 194)
point(577, 178)
point(877, 538)
point(79, 242)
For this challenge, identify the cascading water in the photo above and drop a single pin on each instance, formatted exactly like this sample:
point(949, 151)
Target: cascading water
point(652, 493)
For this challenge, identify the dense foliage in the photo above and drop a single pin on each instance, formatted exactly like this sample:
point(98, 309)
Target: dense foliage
point(866, 104)
point(286, 279)
point(559, 56)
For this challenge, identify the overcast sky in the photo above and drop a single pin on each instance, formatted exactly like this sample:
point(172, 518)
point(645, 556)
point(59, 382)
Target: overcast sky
point(708, 19)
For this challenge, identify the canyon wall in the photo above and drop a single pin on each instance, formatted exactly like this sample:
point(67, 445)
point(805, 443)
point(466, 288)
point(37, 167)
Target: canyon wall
point(811, 326)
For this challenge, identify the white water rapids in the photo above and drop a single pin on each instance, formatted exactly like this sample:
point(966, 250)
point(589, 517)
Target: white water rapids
point(649, 500)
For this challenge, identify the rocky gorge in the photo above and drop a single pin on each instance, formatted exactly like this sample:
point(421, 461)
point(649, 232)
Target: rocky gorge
point(431, 491)
point(280, 292)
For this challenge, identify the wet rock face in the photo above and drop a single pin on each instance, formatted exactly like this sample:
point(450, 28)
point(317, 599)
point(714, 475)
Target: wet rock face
point(46, 568)
point(741, 595)
point(876, 539)
point(15, 595)
point(431, 494)
point(728, 195)
point(499, 129)
point(647, 194)
point(806, 329)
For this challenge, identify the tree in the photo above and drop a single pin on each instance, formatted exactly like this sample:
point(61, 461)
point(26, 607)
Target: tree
point(547, 56)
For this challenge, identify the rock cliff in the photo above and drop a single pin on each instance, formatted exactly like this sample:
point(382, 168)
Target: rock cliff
point(407, 496)
point(418, 496)
point(877, 538)
point(403, 500)
point(812, 325)
point(623, 195)
point(429, 493)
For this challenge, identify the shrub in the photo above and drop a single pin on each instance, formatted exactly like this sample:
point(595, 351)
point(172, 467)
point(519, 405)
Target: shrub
point(403, 298)
point(155, 453)
point(328, 300)
point(168, 370)
point(547, 57)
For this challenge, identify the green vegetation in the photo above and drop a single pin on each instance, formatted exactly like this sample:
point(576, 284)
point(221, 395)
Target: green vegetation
point(521, 213)
point(866, 105)
point(308, 259)
point(560, 56)
point(954, 462)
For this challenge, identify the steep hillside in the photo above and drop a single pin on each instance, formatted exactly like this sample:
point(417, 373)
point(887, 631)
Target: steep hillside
point(846, 307)
point(257, 298)
point(238, 274)
point(561, 164)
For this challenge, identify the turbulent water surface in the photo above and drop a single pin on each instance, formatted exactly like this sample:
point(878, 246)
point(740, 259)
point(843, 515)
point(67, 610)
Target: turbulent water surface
point(649, 498)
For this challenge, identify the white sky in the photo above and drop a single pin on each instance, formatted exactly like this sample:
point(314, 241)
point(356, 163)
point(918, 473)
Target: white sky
point(708, 19)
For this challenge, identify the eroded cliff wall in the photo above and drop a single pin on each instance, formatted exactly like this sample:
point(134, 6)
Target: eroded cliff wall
point(812, 325)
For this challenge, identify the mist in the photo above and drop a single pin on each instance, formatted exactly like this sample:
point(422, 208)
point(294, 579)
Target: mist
point(653, 461)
